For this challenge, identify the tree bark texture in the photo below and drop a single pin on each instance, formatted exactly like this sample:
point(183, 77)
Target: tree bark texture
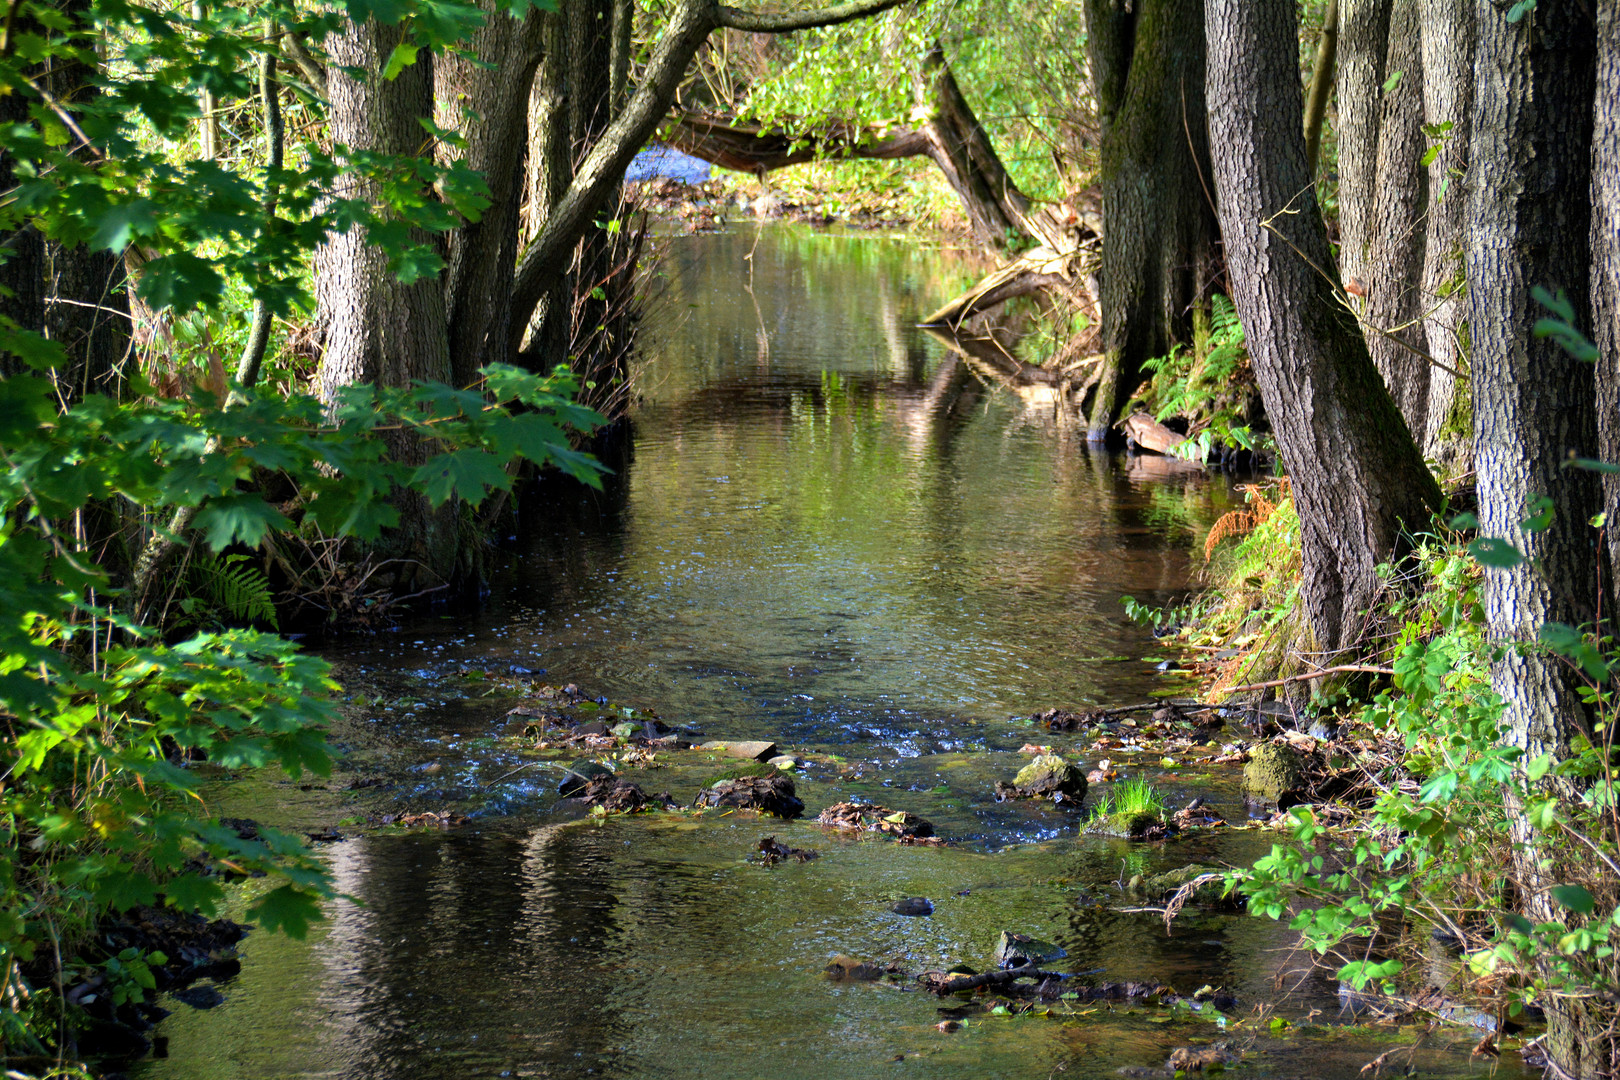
point(1447, 29)
point(1606, 259)
point(86, 291)
point(1534, 405)
point(1158, 251)
point(1358, 477)
point(1393, 276)
point(378, 330)
point(1530, 224)
point(491, 76)
point(1363, 46)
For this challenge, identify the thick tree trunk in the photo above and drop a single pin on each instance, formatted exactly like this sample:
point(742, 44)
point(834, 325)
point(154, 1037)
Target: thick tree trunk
point(378, 330)
point(1358, 477)
point(1447, 29)
point(86, 291)
point(1606, 261)
point(1363, 46)
point(1158, 252)
point(1395, 246)
point(1530, 225)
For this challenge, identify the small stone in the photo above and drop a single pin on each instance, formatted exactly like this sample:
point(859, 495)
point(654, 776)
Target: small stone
point(784, 761)
point(949, 1025)
point(915, 905)
point(752, 751)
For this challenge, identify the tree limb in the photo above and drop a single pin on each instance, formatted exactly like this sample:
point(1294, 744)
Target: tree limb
point(785, 22)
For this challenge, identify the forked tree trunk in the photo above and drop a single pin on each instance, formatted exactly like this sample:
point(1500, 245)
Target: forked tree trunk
point(1158, 251)
point(1530, 225)
point(490, 75)
point(1358, 477)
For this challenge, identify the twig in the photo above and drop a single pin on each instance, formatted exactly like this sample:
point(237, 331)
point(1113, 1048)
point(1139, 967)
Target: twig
point(1336, 669)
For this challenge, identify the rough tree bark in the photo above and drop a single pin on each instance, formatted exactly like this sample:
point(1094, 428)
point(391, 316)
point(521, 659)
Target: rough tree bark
point(1606, 260)
point(1158, 251)
point(1447, 29)
point(1529, 225)
point(1393, 267)
point(491, 76)
point(1363, 45)
point(378, 330)
point(1358, 477)
point(86, 291)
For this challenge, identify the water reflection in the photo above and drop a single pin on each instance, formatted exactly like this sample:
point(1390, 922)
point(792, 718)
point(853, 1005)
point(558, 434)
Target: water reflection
point(830, 534)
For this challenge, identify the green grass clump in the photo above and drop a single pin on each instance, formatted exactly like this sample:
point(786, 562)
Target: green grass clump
point(1131, 798)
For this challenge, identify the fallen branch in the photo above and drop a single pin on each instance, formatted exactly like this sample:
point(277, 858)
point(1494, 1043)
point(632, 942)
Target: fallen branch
point(1337, 669)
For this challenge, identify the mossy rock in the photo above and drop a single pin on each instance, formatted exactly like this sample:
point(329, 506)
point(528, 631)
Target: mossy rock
point(1049, 774)
point(1164, 885)
point(1272, 770)
point(738, 772)
point(1016, 950)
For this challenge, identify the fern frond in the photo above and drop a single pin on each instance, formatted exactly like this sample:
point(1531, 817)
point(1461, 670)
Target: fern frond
point(236, 587)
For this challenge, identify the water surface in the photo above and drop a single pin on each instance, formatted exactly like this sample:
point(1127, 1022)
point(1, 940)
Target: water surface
point(826, 537)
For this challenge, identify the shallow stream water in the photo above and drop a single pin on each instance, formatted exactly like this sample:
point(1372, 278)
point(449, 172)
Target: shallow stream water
point(824, 540)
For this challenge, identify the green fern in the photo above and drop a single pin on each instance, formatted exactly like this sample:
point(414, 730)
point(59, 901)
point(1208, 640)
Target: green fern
point(236, 588)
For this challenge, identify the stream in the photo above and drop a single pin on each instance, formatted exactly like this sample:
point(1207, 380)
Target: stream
point(822, 539)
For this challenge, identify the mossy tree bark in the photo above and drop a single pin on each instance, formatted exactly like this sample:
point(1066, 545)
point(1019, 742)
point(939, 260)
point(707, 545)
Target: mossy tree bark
point(1158, 251)
point(1358, 478)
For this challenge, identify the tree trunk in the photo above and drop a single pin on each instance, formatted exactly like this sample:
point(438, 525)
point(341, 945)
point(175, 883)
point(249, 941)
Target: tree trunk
point(378, 330)
point(490, 75)
point(1363, 45)
point(1395, 246)
point(1447, 29)
point(1530, 225)
point(1159, 238)
point(22, 252)
point(86, 290)
point(1606, 261)
point(1358, 477)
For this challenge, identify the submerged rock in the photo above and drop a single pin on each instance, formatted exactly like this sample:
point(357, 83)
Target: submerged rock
point(580, 773)
point(1064, 720)
point(1273, 770)
point(771, 852)
point(1016, 950)
point(915, 905)
point(1168, 883)
point(902, 824)
point(766, 794)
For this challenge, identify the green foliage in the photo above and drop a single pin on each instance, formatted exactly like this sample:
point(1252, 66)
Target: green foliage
point(1130, 798)
point(231, 588)
point(1437, 848)
point(1211, 392)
